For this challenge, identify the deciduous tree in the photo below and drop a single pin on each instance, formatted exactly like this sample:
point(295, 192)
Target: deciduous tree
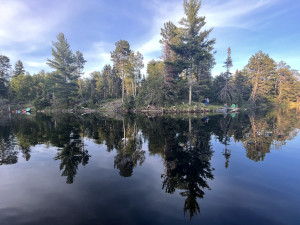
point(120, 57)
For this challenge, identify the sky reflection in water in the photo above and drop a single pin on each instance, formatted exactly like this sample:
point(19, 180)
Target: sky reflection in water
point(72, 169)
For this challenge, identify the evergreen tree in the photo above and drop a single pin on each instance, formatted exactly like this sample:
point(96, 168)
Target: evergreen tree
point(170, 36)
point(4, 74)
point(151, 92)
point(102, 83)
point(286, 84)
point(79, 62)
point(261, 71)
point(218, 85)
point(94, 93)
point(137, 70)
point(203, 87)
point(67, 67)
point(194, 48)
point(115, 84)
point(19, 68)
point(226, 93)
point(242, 89)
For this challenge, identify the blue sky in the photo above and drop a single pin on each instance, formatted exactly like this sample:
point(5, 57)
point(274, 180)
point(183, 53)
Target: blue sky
point(28, 27)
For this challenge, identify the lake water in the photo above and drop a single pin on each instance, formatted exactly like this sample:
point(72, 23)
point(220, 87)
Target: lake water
point(138, 169)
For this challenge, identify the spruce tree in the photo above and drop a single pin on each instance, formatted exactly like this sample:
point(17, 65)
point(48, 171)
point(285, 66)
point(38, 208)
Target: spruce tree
point(226, 94)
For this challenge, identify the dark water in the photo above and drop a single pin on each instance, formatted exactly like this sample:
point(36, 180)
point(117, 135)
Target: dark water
point(90, 169)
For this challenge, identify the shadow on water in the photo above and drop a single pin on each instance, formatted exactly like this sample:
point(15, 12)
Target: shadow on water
point(184, 144)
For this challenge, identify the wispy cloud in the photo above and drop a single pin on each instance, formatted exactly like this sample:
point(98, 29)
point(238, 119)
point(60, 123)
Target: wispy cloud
point(35, 64)
point(97, 56)
point(22, 23)
point(233, 13)
point(218, 13)
point(27, 27)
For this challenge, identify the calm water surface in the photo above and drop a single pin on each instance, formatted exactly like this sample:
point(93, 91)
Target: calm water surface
point(90, 169)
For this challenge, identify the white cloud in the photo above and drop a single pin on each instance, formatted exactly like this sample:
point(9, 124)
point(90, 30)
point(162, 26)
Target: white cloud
point(35, 64)
point(233, 13)
point(97, 56)
point(151, 45)
point(218, 13)
point(20, 23)
point(28, 27)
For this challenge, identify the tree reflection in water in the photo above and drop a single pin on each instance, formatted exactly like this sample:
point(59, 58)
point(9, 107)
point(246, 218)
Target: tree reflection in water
point(130, 153)
point(70, 139)
point(187, 163)
point(225, 138)
point(71, 156)
point(183, 143)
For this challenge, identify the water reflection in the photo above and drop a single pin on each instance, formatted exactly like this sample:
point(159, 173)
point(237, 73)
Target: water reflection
point(130, 152)
point(187, 157)
point(184, 143)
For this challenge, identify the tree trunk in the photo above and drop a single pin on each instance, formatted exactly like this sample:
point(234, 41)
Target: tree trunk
point(123, 86)
point(253, 94)
point(132, 86)
point(190, 90)
point(124, 132)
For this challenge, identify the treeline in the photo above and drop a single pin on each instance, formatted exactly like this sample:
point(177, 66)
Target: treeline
point(182, 75)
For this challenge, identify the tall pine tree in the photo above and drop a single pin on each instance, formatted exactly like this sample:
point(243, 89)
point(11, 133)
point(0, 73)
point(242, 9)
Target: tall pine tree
point(195, 49)
point(67, 69)
point(19, 68)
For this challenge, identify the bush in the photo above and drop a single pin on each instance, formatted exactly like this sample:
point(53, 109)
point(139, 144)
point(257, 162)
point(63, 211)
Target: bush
point(41, 103)
point(129, 103)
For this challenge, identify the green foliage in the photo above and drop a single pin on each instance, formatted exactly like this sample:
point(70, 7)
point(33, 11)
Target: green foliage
point(19, 68)
point(120, 57)
point(41, 103)
point(261, 71)
point(183, 75)
point(129, 103)
point(242, 89)
point(22, 87)
point(287, 84)
point(151, 92)
point(4, 74)
point(226, 89)
point(194, 49)
point(68, 68)
point(128, 66)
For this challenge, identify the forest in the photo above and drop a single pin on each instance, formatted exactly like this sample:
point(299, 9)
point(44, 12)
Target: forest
point(182, 75)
